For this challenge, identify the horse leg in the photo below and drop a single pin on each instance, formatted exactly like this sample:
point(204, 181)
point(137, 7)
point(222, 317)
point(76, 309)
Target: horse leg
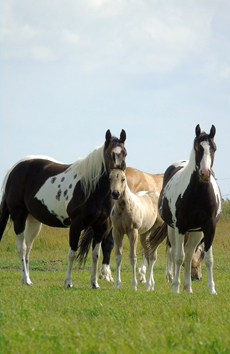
point(33, 227)
point(19, 217)
point(74, 235)
point(100, 231)
point(208, 258)
point(107, 245)
point(118, 239)
point(133, 239)
point(190, 246)
point(177, 242)
point(142, 270)
point(152, 260)
point(169, 263)
point(95, 257)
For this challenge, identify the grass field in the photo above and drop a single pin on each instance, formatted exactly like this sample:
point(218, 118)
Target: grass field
point(48, 318)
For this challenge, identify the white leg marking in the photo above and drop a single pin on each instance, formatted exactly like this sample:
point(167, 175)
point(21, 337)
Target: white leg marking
point(106, 273)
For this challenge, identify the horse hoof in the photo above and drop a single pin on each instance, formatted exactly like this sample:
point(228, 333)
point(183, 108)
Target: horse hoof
point(95, 286)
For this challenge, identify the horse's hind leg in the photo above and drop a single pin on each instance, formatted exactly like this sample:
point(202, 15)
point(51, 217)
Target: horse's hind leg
point(152, 260)
point(19, 217)
point(142, 270)
point(33, 227)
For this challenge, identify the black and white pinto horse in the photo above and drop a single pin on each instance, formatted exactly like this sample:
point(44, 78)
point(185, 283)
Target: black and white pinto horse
point(39, 190)
point(190, 201)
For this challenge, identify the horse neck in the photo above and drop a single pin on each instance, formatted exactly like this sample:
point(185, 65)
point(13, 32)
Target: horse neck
point(127, 197)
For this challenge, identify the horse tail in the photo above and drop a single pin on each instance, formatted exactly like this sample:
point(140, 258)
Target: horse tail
point(158, 236)
point(84, 245)
point(4, 216)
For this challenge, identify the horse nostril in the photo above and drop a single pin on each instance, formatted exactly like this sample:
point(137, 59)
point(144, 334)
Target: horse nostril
point(115, 194)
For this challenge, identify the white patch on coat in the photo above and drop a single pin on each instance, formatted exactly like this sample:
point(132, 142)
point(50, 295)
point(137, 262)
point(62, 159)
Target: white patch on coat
point(48, 194)
point(205, 164)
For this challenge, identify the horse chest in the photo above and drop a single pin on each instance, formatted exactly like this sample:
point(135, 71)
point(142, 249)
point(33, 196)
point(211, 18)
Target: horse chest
point(125, 219)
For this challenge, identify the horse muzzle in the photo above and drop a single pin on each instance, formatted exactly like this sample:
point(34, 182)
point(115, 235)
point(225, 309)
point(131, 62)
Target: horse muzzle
point(115, 194)
point(205, 175)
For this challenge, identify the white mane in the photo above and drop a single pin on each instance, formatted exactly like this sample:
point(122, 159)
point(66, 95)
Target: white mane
point(89, 169)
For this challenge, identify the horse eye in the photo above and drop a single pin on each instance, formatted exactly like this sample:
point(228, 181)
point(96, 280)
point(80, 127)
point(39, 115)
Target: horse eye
point(123, 180)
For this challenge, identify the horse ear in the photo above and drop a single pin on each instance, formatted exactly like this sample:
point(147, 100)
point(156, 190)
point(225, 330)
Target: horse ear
point(122, 136)
point(212, 132)
point(198, 130)
point(108, 136)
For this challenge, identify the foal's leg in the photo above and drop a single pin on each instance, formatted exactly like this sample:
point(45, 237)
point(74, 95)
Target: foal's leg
point(33, 227)
point(177, 242)
point(209, 264)
point(133, 238)
point(118, 239)
point(193, 240)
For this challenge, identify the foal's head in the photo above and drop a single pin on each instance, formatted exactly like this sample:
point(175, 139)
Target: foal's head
point(115, 151)
point(117, 183)
point(205, 148)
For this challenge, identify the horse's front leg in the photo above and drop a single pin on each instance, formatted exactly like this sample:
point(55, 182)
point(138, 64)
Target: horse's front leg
point(96, 247)
point(133, 239)
point(100, 231)
point(208, 258)
point(74, 235)
point(177, 242)
point(193, 240)
point(107, 245)
point(118, 239)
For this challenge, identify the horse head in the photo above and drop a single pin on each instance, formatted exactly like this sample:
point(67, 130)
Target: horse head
point(205, 148)
point(115, 152)
point(117, 183)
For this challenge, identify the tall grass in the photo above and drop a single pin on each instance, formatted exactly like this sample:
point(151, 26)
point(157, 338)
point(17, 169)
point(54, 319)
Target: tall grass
point(48, 318)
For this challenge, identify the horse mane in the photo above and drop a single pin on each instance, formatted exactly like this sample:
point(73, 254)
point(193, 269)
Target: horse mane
point(89, 169)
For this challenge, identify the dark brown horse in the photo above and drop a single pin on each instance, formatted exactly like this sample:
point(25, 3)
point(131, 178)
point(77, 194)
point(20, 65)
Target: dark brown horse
point(40, 190)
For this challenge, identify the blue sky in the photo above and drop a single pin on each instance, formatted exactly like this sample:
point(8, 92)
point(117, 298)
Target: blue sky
point(71, 69)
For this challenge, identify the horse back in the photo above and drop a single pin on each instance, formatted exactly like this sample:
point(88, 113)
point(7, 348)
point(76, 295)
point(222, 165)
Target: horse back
point(27, 177)
point(143, 181)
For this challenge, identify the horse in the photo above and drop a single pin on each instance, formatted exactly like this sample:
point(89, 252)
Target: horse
point(190, 201)
point(132, 214)
point(137, 181)
point(40, 190)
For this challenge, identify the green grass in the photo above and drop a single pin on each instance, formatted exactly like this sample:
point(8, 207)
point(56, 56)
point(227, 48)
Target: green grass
point(48, 318)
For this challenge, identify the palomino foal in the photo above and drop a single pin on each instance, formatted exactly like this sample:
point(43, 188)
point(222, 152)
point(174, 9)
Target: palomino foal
point(133, 214)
